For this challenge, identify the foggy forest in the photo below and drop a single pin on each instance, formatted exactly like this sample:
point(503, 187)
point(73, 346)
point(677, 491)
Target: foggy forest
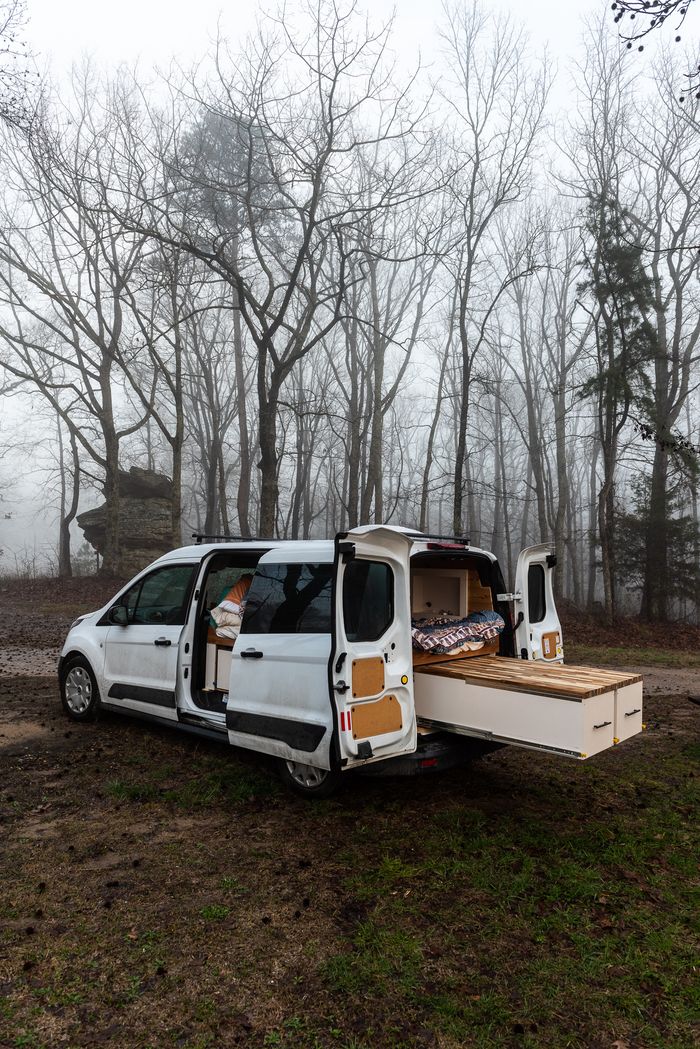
point(312, 287)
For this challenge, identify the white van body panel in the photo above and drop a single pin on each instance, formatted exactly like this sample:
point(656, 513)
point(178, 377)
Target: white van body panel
point(539, 637)
point(142, 660)
point(346, 697)
point(87, 639)
point(388, 705)
point(283, 689)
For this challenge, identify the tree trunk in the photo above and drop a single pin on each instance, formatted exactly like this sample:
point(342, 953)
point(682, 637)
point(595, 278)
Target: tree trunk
point(65, 567)
point(592, 530)
point(268, 464)
point(561, 516)
point(461, 465)
point(222, 500)
point(424, 523)
point(112, 556)
point(211, 516)
point(176, 445)
point(654, 594)
point(606, 534)
point(245, 468)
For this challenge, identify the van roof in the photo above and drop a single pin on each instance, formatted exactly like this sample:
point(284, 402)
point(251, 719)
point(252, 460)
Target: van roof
point(318, 549)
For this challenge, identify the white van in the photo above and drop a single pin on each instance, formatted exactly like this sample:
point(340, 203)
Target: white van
point(324, 675)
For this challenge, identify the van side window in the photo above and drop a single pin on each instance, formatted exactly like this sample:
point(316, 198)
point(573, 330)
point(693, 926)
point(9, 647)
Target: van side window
point(368, 600)
point(162, 597)
point(289, 599)
point(536, 605)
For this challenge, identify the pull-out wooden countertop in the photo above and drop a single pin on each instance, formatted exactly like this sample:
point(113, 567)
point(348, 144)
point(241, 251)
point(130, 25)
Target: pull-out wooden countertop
point(522, 675)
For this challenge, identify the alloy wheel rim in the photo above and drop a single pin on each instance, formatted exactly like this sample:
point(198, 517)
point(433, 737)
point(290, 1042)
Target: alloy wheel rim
point(306, 775)
point(78, 690)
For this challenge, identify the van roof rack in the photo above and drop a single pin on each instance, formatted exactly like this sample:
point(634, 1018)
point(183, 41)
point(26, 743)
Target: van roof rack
point(200, 537)
point(463, 540)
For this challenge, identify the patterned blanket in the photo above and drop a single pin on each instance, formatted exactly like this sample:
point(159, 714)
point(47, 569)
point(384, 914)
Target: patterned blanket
point(444, 633)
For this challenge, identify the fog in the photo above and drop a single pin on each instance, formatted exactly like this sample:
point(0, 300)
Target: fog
point(315, 281)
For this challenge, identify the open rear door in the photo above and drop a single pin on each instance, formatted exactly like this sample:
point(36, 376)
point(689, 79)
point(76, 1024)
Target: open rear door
point(537, 628)
point(371, 668)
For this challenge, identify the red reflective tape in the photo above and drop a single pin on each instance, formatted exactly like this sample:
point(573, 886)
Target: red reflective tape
point(349, 725)
point(342, 720)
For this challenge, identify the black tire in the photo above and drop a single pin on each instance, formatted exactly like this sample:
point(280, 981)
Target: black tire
point(80, 695)
point(307, 780)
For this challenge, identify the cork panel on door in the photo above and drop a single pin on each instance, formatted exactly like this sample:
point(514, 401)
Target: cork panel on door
point(549, 644)
point(367, 677)
point(376, 719)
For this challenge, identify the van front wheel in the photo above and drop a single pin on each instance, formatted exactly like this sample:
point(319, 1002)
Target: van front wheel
point(80, 695)
point(308, 780)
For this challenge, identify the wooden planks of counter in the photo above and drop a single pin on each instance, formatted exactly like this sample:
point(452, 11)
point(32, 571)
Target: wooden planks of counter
point(569, 710)
point(521, 675)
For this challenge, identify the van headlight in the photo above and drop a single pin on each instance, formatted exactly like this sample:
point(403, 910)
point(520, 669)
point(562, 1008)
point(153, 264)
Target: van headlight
point(77, 621)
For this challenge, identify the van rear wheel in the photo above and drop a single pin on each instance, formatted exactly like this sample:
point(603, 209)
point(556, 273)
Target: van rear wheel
point(308, 780)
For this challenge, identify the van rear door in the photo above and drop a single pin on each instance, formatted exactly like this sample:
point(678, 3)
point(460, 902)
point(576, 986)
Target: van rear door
point(538, 632)
point(371, 667)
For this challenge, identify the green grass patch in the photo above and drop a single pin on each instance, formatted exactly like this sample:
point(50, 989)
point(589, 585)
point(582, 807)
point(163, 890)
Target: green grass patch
point(604, 655)
point(224, 784)
point(215, 912)
point(382, 961)
point(534, 923)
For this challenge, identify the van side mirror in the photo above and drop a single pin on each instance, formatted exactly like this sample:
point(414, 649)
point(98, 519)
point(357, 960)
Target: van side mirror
point(119, 615)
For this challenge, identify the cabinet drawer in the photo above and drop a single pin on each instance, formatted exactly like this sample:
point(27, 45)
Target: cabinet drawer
point(578, 728)
point(598, 723)
point(628, 711)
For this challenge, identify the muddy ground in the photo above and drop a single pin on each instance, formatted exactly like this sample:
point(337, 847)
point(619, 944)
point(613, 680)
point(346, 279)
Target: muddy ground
point(158, 891)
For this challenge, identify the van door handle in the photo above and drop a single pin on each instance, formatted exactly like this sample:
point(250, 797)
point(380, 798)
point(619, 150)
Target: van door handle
point(251, 653)
point(163, 642)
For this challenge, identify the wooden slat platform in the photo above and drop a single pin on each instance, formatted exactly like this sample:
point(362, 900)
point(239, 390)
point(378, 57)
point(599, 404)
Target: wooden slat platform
point(490, 648)
point(521, 675)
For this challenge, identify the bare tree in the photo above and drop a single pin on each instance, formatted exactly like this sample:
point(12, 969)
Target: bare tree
point(497, 111)
point(293, 201)
point(64, 267)
point(15, 74)
point(666, 213)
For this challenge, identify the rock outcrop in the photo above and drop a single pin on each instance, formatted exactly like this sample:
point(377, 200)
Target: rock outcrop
point(145, 522)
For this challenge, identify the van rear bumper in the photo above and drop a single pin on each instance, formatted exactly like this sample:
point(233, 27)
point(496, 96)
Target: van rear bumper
point(435, 753)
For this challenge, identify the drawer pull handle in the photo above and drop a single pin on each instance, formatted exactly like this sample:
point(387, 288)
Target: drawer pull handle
point(603, 724)
point(631, 712)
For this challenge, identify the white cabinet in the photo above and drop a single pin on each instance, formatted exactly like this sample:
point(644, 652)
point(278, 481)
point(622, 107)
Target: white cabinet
point(628, 711)
point(566, 710)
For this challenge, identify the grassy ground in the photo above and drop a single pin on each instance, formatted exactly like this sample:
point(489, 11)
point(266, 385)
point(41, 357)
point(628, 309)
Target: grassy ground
point(157, 891)
point(160, 892)
point(630, 655)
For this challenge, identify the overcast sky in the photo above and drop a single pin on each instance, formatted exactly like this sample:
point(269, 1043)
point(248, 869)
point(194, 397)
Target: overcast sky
point(153, 32)
point(156, 30)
